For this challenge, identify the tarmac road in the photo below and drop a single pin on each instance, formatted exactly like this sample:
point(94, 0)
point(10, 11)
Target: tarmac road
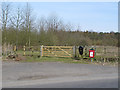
point(102, 83)
point(58, 75)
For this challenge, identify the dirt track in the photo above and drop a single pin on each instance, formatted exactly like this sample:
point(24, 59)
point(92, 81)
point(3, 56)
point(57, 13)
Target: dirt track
point(56, 74)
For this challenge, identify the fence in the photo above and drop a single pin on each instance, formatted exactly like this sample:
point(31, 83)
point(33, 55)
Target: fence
point(53, 51)
point(101, 51)
point(30, 51)
point(70, 51)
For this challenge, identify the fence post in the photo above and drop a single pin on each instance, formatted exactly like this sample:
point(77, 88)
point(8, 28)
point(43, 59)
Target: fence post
point(15, 49)
point(41, 50)
point(104, 50)
point(85, 51)
point(104, 54)
point(32, 50)
point(74, 51)
point(24, 50)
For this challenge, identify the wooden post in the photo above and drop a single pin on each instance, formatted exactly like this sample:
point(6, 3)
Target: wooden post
point(24, 50)
point(74, 51)
point(41, 50)
point(15, 49)
point(95, 51)
point(32, 50)
point(104, 50)
point(5, 51)
point(104, 60)
point(104, 54)
point(85, 51)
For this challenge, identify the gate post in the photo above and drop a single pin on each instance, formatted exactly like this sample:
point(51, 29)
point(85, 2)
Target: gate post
point(41, 51)
point(24, 50)
point(74, 51)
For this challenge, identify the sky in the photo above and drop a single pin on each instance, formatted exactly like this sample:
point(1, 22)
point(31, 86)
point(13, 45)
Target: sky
point(91, 16)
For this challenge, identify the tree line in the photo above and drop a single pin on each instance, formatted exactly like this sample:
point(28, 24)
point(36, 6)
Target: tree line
point(22, 28)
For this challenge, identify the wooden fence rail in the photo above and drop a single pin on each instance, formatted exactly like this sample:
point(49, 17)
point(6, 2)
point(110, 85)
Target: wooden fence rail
point(70, 51)
point(57, 51)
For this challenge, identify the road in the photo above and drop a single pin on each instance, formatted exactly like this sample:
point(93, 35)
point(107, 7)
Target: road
point(58, 75)
point(102, 83)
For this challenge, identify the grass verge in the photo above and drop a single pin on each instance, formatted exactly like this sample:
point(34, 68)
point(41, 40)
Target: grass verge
point(53, 59)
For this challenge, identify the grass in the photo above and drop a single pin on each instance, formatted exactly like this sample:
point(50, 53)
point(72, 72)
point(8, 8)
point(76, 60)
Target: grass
point(63, 60)
point(35, 58)
point(53, 59)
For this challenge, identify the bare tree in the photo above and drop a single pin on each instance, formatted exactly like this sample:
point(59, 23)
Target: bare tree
point(17, 21)
point(53, 22)
point(41, 30)
point(28, 22)
point(42, 24)
point(0, 27)
point(5, 18)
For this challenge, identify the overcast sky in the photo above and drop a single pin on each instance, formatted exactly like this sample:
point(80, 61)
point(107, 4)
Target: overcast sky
point(96, 16)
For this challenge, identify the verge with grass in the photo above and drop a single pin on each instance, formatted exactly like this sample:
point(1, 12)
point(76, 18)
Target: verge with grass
point(53, 59)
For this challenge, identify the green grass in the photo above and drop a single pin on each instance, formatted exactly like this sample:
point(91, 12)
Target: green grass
point(28, 52)
point(35, 58)
point(53, 59)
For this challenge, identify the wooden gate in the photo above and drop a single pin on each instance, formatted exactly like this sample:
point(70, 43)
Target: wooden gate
point(57, 51)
